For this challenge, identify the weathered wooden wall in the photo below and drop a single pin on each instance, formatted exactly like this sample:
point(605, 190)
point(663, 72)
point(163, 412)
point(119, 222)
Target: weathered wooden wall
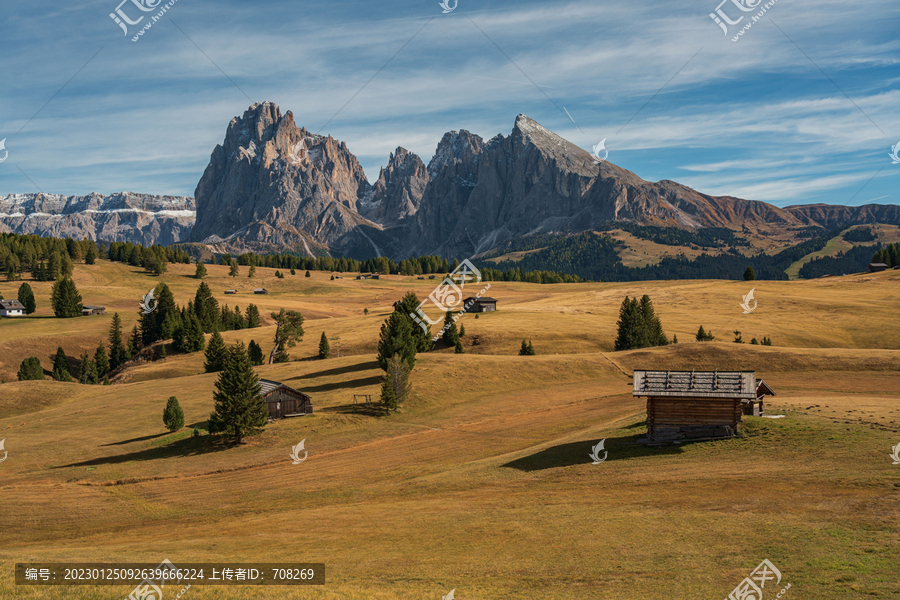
point(692, 417)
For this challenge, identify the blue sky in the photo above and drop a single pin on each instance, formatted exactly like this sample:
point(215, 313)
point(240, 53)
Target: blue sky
point(756, 118)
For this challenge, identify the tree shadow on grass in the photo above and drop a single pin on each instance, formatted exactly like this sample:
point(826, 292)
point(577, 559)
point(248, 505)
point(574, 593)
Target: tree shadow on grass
point(139, 439)
point(338, 371)
point(578, 453)
point(189, 446)
point(341, 385)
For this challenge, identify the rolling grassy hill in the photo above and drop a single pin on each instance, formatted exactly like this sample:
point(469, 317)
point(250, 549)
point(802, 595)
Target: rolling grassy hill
point(482, 483)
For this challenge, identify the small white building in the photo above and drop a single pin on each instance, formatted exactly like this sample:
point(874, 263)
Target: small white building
point(11, 308)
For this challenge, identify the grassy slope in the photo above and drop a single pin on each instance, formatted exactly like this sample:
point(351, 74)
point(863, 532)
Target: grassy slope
point(482, 483)
point(887, 234)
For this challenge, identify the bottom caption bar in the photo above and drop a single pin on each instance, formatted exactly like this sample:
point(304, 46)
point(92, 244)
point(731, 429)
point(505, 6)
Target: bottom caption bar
point(151, 579)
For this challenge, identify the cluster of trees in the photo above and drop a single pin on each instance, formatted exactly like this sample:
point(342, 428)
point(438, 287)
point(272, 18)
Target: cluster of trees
point(738, 339)
point(863, 234)
point(705, 237)
point(526, 349)
point(638, 325)
point(451, 334)
point(703, 336)
point(853, 260)
point(889, 255)
point(45, 258)
point(91, 370)
point(154, 259)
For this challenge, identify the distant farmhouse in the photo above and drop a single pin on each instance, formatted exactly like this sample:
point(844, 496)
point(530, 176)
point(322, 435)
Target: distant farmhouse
point(92, 310)
point(260, 291)
point(283, 401)
point(698, 405)
point(484, 304)
point(231, 291)
point(11, 308)
point(877, 267)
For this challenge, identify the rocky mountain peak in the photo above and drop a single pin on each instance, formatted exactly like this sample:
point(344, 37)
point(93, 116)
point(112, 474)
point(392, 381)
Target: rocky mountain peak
point(454, 148)
point(399, 189)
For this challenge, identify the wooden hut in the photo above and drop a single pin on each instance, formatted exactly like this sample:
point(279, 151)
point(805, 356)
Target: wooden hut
point(877, 267)
point(284, 401)
point(755, 408)
point(260, 291)
point(694, 405)
point(483, 304)
point(231, 291)
point(92, 310)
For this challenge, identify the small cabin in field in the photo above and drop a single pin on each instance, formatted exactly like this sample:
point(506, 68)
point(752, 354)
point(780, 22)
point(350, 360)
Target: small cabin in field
point(92, 310)
point(375, 277)
point(877, 267)
point(284, 401)
point(431, 277)
point(696, 405)
point(260, 291)
point(231, 291)
point(11, 308)
point(477, 305)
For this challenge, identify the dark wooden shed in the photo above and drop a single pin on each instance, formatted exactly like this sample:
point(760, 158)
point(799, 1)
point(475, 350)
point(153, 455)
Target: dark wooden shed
point(284, 401)
point(877, 267)
point(93, 310)
point(483, 304)
point(694, 405)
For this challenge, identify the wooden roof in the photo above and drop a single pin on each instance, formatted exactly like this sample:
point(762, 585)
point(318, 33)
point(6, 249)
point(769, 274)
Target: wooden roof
point(267, 387)
point(482, 299)
point(763, 388)
point(696, 384)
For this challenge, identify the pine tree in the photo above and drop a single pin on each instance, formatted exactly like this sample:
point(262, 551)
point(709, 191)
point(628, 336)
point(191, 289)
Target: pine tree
point(397, 337)
point(61, 366)
point(194, 341)
point(462, 330)
point(766, 341)
point(451, 334)
point(307, 274)
point(288, 331)
point(90, 257)
point(737, 337)
point(240, 410)
point(255, 353)
point(702, 336)
point(117, 350)
point(26, 297)
point(53, 266)
point(87, 370)
point(234, 269)
point(252, 273)
point(630, 325)
point(253, 319)
point(293, 271)
point(523, 350)
point(101, 361)
point(674, 338)
point(216, 353)
point(652, 327)
point(200, 273)
point(332, 277)
point(31, 370)
point(458, 348)
point(531, 351)
point(749, 274)
point(754, 341)
point(324, 348)
point(173, 416)
point(65, 299)
point(206, 308)
point(395, 387)
point(163, 321)
point(134, 343)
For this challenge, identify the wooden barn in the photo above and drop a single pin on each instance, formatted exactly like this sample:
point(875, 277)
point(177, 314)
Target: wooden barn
point(756, 408)
point(877, 267)
point(283, 401)
point(92, 310)
point(231, 291)
point(260, 291)
point(483, 304)
point(695, 405)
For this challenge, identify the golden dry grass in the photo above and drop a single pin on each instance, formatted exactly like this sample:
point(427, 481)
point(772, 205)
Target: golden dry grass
point(482, 482)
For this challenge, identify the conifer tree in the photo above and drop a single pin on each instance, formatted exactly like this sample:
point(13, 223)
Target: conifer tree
point(65, 299)
point(216, 353)
point(61, 366)
point(101, 361)
point(462, 330)
point(293, 271)
point(255, 353)
point(523, 350)
point(135, 343)
point(749, 274)
point(288, 331)
point(253, 319)
point(240, 410)
point(194, 340)
point(252, 273)
point(307, 274)
point(324, 348)
point(234, 269)
point(31, 370)
point(737, 337)
point(90, 257)
point(531, 351)
point(395, 386)
point(702, 336)
point(117, 349)
point(397, 337)
point(200, 272)
point(630, 325)
point(206, 308)
point(458, 347)
point(26, 297)
point(451, 334)
point(87, 370)
point(173, 416)
point(674, 339)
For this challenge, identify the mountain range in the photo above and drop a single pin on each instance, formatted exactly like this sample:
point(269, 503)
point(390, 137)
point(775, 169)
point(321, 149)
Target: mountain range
point(272, 185)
